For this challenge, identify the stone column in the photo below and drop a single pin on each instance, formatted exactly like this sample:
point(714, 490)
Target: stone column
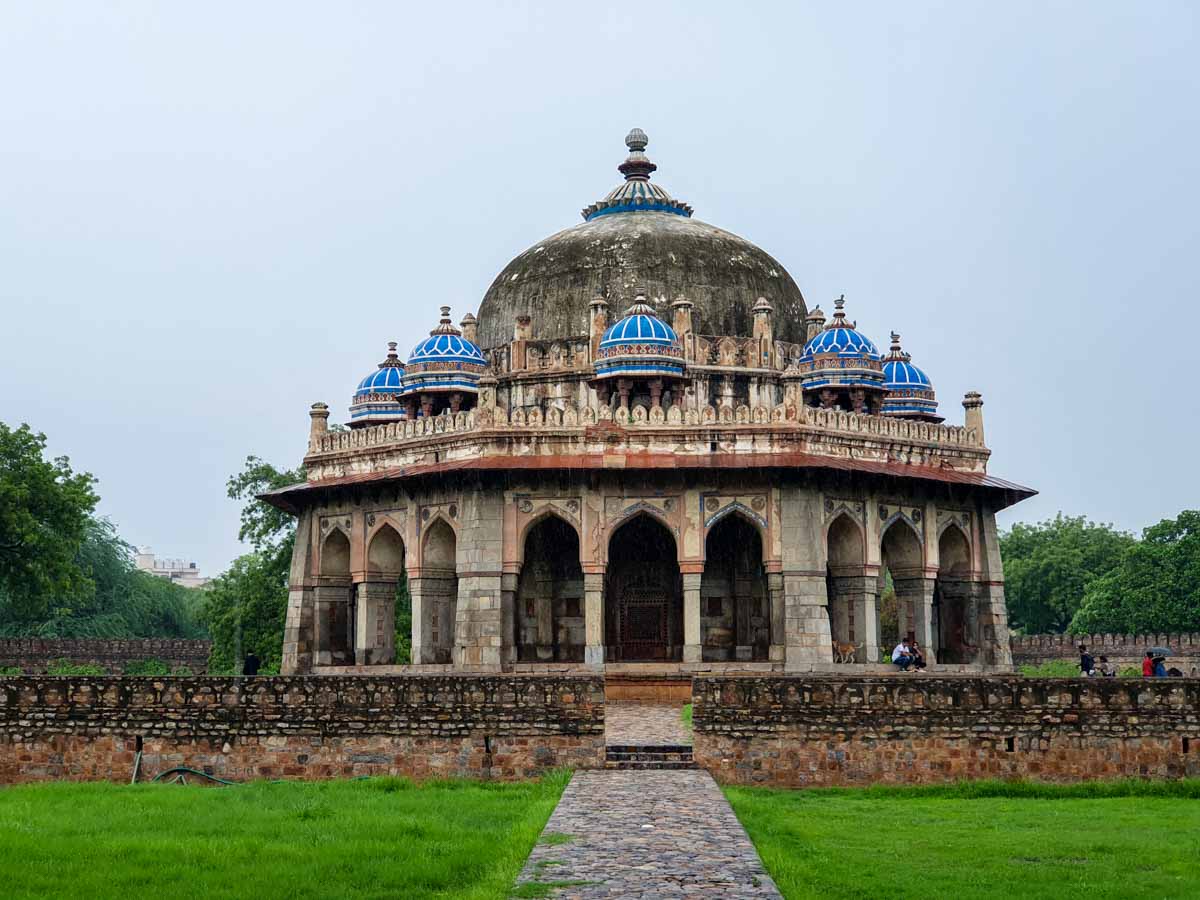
point(375, 625)
point(806, 621)
point(860, 594)
point(299, 625)
point(775, 598)
point(692, 652)
point(423, 652)
point(593, 618)
point(994, 638)
point(330, 616)
point(508, 616)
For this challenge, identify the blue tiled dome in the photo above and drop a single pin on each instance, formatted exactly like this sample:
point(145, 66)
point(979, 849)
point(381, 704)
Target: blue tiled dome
point(910, 393)
point(639, 344)
point(445, 348)
point(384, 380)
point(899, 374)
point(376, 399)
point(639, 326)
point(842, 339)
point(444, 363)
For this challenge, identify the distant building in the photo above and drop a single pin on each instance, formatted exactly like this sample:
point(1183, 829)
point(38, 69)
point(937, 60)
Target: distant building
point(179, 571)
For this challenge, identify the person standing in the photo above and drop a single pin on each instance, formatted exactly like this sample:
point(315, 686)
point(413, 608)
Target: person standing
point(1148, 665)
point(251, 664)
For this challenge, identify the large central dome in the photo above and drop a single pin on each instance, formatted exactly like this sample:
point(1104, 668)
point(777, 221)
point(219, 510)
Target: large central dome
point(639, 237)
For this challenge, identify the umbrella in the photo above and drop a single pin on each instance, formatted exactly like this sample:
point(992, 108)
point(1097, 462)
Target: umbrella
point(1160, 651)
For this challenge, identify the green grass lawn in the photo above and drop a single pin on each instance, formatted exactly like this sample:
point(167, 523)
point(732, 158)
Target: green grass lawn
point(990, 839)
point(382, 837)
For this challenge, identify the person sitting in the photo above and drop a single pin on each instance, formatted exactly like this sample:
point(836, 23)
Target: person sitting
point(918, 658)
point(1087, 665)
point(902, 655)
point(1107, 669)
point(1174, 672)
point(1148, 665)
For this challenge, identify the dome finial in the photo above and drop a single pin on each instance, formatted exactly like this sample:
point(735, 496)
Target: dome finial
point(637, 167)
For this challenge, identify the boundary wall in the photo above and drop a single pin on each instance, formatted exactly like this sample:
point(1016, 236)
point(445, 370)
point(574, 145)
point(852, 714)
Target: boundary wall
point(305, 727)
point(813, 731)
point(34, 654)
point(1121, 649)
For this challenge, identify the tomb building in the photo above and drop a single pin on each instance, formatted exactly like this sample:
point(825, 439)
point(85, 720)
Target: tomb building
point(646, 450)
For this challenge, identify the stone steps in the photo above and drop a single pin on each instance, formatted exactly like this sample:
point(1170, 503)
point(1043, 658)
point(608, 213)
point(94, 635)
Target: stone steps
point(648, 756)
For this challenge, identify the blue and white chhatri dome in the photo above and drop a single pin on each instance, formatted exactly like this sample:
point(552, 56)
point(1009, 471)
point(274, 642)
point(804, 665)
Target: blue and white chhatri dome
point(639, 345)
point(444, 363)
point(841, 368)
point(376, 399)
point(909, 391)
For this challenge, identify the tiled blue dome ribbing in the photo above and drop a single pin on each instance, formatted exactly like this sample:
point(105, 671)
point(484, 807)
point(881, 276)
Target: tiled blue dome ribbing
point(639, 328)
point(387, 380)
point(900, 374)
point(445, 348)
point(844, 341)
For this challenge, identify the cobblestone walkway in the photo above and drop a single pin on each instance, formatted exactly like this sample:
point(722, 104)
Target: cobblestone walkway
point(638, 723)
point(643, 835)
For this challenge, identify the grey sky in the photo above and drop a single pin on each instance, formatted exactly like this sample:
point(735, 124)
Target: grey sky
point(212, 215)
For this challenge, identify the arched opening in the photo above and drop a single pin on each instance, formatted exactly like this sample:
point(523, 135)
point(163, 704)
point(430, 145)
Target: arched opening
point(735, 621)
point(957, 619)
point(439, 592)
point(383, 619)
point(549, 603)
point(852, 608)
point(903, 566)
point(643, 606)
point(334, 625)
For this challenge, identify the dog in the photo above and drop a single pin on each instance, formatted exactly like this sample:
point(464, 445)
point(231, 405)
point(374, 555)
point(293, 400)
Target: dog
point(844, 652)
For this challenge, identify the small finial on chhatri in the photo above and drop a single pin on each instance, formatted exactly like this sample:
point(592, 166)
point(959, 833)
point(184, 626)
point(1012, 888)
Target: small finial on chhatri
point(446, 313)
point(637, 165)
point(391, 349)
point(895, 341)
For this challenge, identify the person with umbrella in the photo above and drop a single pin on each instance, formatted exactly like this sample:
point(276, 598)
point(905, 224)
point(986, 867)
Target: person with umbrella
point(1159, 655)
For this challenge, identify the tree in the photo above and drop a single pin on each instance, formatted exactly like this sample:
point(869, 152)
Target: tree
point(1048, 566)
point(45, 509)
point(1154, 589)
point(246, 606)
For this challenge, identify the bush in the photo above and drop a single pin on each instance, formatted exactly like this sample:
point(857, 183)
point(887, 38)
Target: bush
point(147, 667)
point(182, 672)
point(66, 667)
point(11, 670)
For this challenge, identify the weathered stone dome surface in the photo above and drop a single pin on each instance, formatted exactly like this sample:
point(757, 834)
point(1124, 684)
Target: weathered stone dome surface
point(666, 255)
point(637, 238)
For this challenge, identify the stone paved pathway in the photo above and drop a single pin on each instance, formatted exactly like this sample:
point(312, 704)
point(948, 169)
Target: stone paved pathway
point(643, 835)
point(639, 723)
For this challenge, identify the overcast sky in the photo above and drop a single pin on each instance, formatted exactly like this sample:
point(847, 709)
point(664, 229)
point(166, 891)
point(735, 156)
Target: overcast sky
point(212, 215)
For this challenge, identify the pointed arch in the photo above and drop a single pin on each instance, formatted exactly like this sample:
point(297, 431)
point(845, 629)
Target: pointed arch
point(845, 543)
point(538, 518)
point(385, 551)
point(631, 513)
point(735, 619)
point(737, 508)
point(954, 550)
point(335, 554)
point(643, 605)
point(548, 618)
point(900, 545)
point(957, 615)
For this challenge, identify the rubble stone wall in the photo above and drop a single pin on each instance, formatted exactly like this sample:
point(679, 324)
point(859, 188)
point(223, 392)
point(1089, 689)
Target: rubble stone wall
point(804, 731)
point(32, 655)
point(422, 726)
point(1121, 649)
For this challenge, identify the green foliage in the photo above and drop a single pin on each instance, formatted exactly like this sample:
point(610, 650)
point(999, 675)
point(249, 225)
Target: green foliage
point(182, 671)
point(11, 670)
point(1153, 589)
point(403, 621)
point(246, 606)
point(1054, 668)
point(685, 716)
point(1098, 839)
point(1129, 672)
point(44, 511)
point(66, 667)
point(120, 601)
point(147, 667)
point(380, 837)
point(1048, 566)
